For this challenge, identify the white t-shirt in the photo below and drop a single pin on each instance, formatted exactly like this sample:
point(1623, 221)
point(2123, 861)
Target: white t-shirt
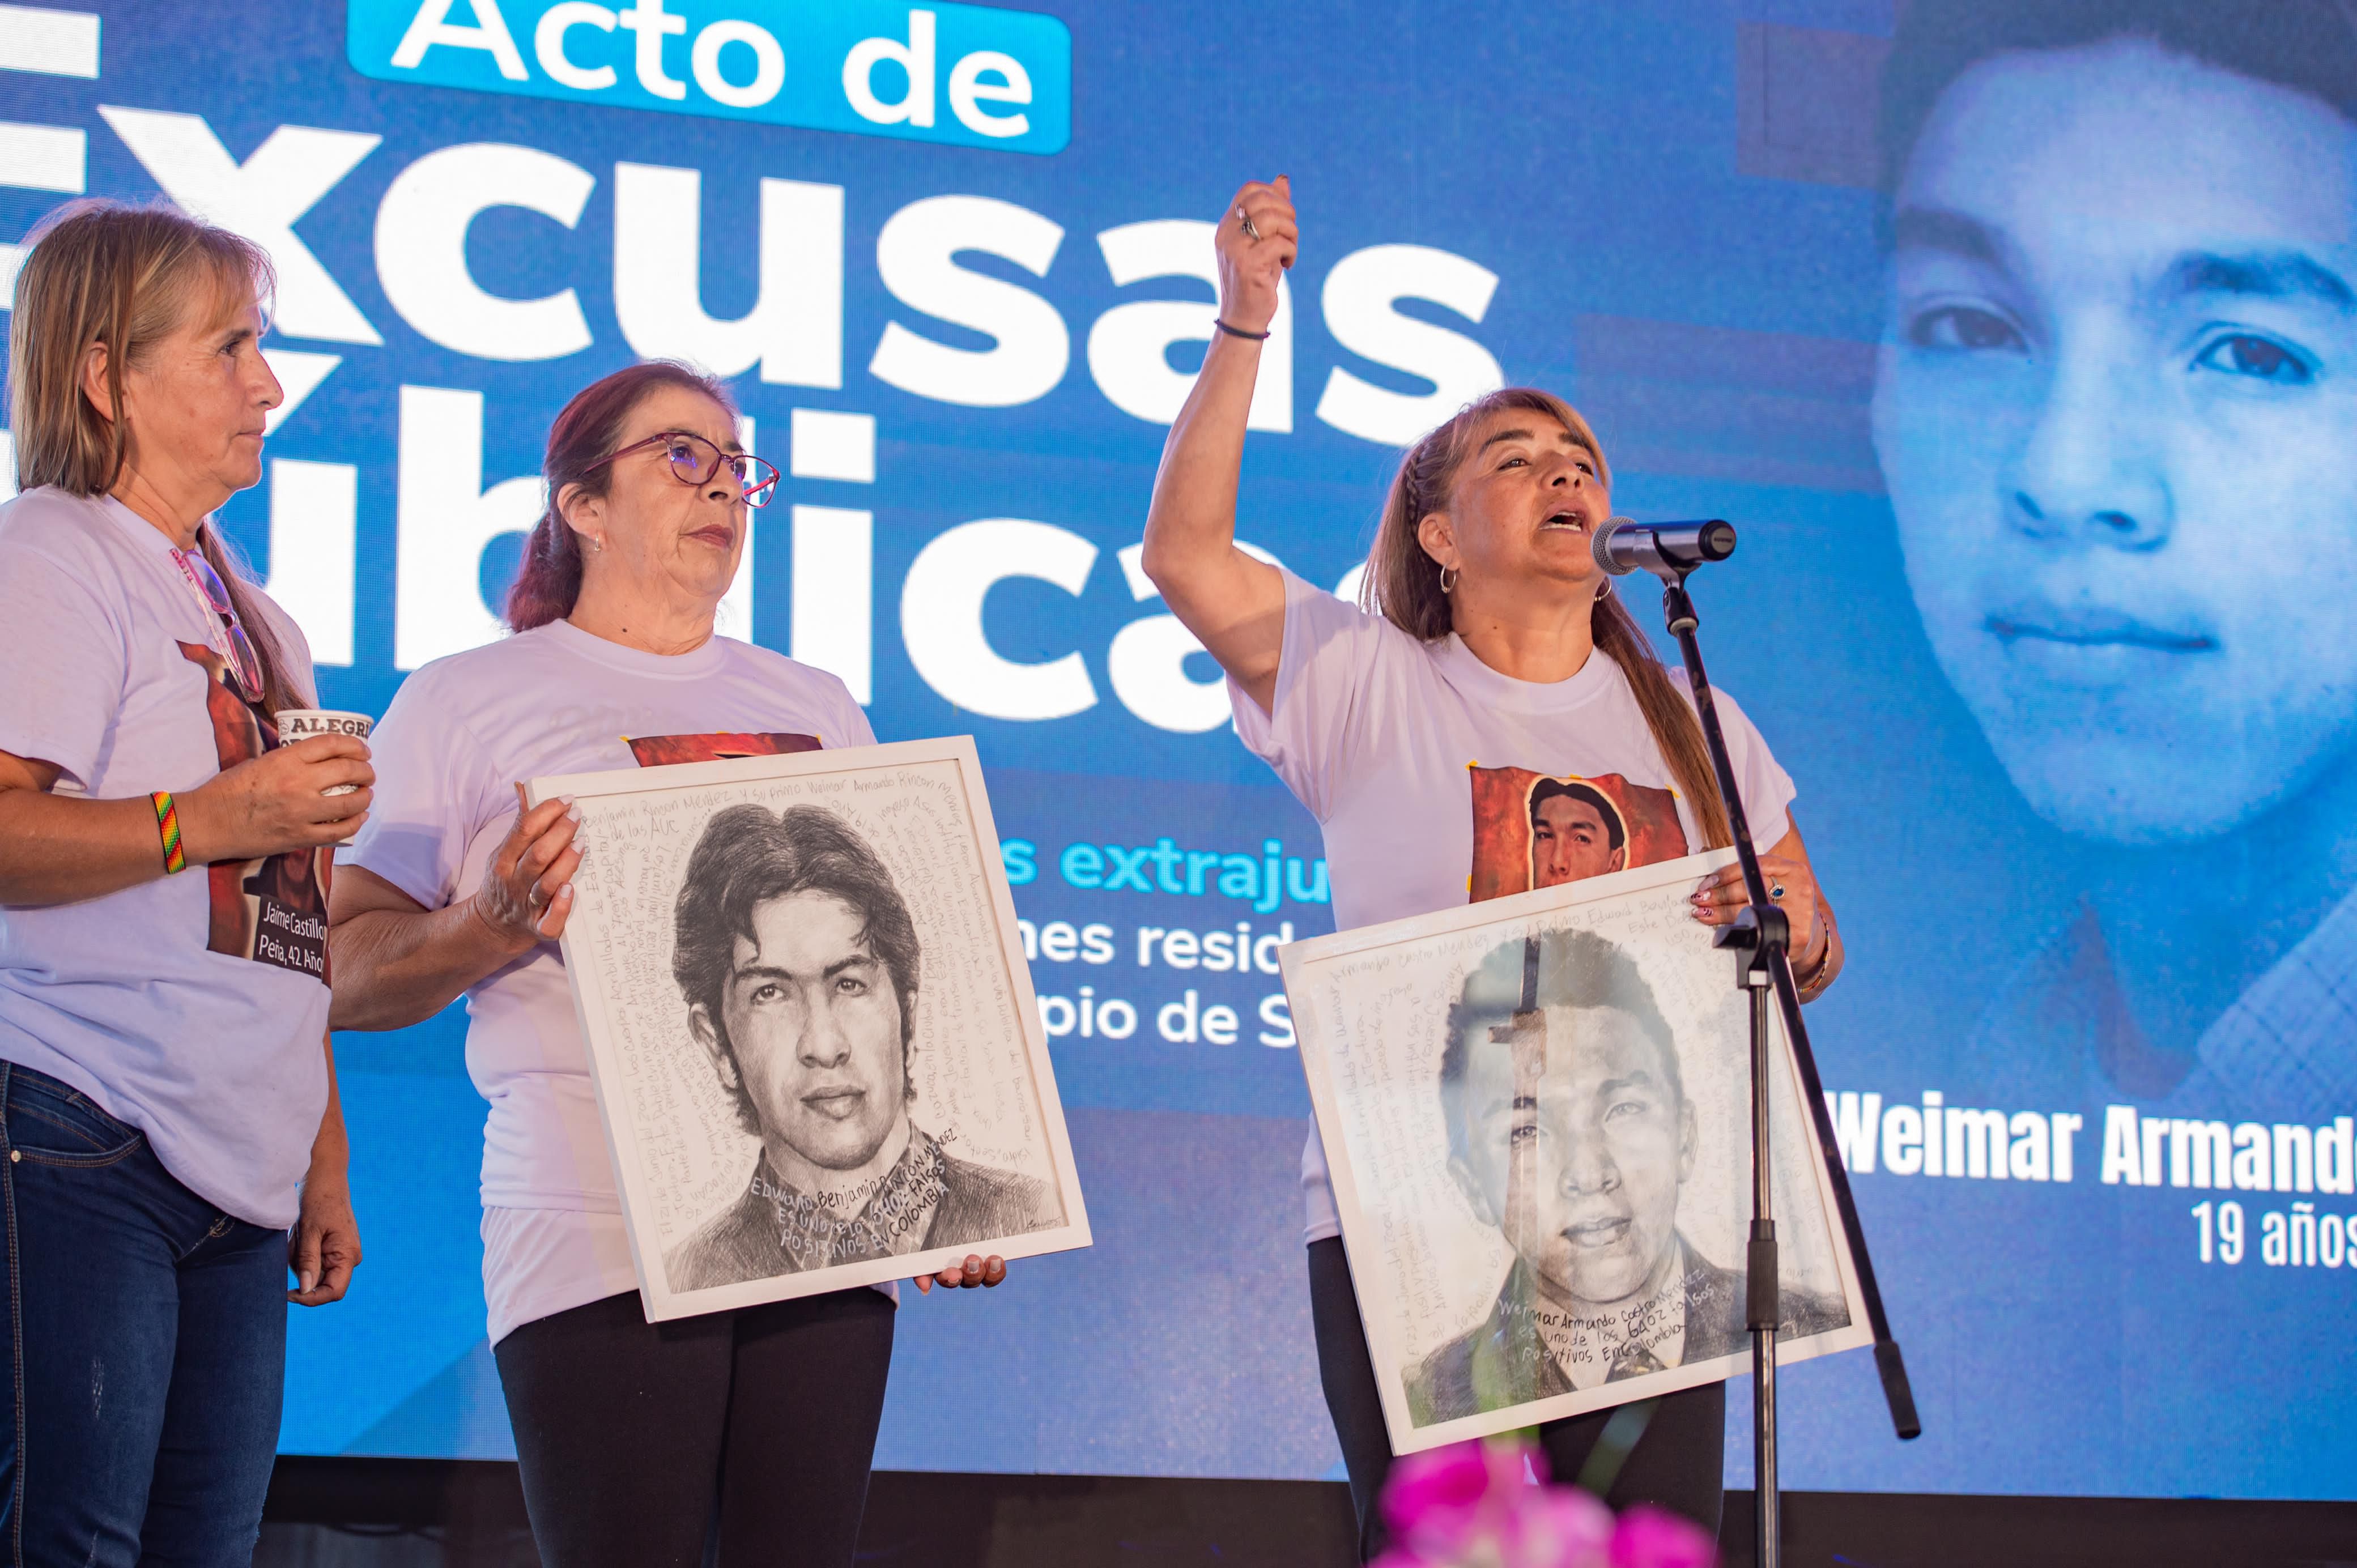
point(1422, 765)
point(191, 1007)
point(461, 734)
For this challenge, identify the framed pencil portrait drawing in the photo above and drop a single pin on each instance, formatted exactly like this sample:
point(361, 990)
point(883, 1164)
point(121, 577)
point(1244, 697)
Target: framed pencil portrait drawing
point(816, 1051)
point(1537, 1109)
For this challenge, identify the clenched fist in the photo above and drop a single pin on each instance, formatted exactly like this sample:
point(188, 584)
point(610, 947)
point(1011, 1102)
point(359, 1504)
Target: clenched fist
point(1257, 241)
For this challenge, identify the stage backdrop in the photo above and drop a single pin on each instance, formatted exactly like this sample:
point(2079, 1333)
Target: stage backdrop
point(2038, 470)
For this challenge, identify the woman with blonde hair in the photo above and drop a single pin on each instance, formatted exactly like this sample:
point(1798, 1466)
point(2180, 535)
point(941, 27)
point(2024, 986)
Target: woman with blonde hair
point(168, 1098)
point(1488, 632)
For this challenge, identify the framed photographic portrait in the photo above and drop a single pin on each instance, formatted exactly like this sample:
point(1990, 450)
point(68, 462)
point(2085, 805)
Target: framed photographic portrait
point(817, 1054)
point(1536, 1110)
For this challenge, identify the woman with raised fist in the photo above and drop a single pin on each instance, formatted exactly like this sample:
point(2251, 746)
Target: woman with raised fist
point(1489, 632)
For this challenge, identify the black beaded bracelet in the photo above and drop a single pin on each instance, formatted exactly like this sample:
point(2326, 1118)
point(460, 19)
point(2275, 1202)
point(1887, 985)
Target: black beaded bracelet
point(1237, 331)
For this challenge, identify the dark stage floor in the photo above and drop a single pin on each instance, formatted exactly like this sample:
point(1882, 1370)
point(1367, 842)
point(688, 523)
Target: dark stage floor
point(392, 1513)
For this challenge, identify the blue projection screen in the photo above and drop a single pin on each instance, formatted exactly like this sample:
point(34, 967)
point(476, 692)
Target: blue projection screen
point(2029, 395)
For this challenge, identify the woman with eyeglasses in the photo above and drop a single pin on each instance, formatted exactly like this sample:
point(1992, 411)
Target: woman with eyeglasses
point(629, 1433)
point(168, 1098)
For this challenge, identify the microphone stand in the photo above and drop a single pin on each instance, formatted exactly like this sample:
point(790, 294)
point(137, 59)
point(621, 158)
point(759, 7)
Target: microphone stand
point(1760, 938)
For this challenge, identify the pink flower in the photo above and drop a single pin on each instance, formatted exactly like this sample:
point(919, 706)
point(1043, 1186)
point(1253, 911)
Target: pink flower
point(1472, 1504)
point(1438, 1481)
point(1649, 1538)
point(1439, 1504)
point(1561, 1527)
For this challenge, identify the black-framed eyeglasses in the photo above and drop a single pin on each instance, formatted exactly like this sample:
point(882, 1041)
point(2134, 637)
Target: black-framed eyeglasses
point(696, 461)
point(244, 664)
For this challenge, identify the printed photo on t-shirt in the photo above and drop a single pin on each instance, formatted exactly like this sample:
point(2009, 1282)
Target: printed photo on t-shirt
point(272, 910)
point(1533, 830)
point(662, 750)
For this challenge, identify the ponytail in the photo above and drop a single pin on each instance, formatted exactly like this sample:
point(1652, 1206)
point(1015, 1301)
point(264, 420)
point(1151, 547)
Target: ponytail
point(1677, 731)
point(548, 583)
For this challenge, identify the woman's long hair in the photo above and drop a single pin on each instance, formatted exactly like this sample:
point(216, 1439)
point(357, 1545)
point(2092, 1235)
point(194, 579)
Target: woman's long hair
point(102, 272)
point(586, 432)
point(1403, 585)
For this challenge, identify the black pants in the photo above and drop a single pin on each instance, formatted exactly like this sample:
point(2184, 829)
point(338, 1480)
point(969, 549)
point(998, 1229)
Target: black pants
point(630, 1434)
point(1677, 1465)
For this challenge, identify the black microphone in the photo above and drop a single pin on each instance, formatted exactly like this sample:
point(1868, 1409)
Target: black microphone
point(1666, 549)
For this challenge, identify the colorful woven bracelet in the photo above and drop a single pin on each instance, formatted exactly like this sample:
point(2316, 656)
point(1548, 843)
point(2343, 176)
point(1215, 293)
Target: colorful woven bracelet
point(168, 823)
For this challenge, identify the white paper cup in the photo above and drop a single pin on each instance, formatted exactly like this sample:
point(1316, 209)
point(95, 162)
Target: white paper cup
point(302, 724)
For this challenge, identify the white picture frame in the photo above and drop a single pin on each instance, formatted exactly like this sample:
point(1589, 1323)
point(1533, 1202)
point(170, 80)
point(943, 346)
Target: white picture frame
point(1448, 1301)
point(691, 1144)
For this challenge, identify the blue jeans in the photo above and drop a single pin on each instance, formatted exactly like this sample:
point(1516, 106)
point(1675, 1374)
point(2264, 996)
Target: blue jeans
point(146, 1341)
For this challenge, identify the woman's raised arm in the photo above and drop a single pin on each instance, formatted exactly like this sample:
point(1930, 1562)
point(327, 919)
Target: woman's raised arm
point(1233, 603)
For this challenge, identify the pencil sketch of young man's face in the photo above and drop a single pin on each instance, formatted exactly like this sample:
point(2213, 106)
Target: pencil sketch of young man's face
point(1611, 1138)
point(813, 1026)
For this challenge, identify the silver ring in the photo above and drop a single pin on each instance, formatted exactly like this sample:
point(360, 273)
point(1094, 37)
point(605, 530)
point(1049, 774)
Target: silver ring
point(531, 898)
point(1244, 223)
point(1776, 892)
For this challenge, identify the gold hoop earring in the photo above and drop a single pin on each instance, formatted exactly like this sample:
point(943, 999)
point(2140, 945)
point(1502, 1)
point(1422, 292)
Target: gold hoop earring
point(598, 543)
point(1448, 579)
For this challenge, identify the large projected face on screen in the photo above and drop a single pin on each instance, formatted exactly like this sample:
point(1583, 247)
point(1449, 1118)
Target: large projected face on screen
point(2018, 337)
point(2116, 411)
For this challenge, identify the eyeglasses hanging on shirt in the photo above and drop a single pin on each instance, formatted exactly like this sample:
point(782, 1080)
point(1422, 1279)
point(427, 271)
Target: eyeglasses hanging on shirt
point(222, 629)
